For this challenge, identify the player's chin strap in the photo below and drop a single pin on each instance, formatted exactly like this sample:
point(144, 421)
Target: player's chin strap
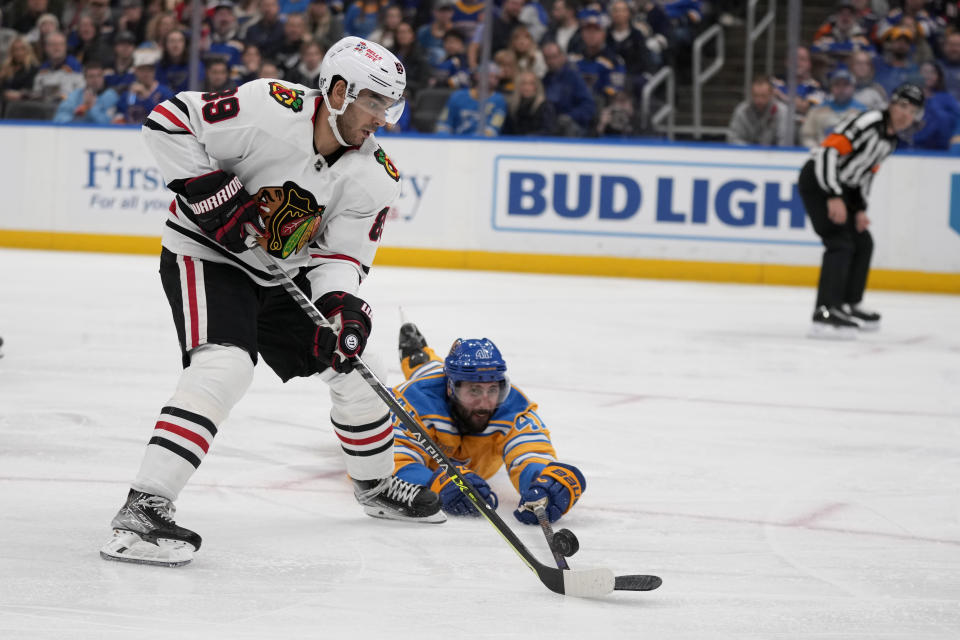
point(334, 114)
point(589, 583)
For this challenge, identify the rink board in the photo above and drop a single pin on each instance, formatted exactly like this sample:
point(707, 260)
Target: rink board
point(702, 212)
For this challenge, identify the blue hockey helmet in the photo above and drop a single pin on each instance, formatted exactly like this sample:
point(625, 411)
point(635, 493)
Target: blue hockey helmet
point(475, 360)
point(472, 360)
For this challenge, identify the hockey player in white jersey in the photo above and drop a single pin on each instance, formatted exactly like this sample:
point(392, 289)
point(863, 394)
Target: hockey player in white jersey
point(300, 169)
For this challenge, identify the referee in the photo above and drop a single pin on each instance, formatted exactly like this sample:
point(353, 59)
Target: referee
point(833, 185)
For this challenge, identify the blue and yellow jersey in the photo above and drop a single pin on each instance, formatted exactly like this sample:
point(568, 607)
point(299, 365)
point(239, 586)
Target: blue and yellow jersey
point(516, 437)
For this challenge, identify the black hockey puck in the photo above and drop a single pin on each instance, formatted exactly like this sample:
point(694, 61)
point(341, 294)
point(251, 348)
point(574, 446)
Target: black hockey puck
point(565, 543)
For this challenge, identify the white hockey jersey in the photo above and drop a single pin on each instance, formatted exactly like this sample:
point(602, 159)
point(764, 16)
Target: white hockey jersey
point(263, 133)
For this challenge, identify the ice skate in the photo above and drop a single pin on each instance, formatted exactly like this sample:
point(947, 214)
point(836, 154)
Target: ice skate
point(413, 349)
point(395, 499)
point(144, 532)
point(833, 324)
point(868, 320)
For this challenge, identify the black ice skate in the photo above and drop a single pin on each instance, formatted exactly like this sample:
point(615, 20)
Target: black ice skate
point(868, 320)
point(396, 499)
point(412, 345)
point(833, 323)
point(144, 532)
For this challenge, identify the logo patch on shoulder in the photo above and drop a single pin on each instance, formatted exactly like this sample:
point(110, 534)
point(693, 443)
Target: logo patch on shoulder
point(287, 97)
point(387, 163)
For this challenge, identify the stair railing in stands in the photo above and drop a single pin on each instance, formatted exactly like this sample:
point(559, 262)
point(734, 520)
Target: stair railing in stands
point(667, 110)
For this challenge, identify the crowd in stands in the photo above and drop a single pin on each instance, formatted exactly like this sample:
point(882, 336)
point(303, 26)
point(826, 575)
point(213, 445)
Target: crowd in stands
point(857, 57)
point(558, 67)
point(561, 67)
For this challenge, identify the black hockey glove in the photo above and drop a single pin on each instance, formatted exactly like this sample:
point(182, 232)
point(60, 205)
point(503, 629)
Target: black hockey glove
point(351, 318)
point(222, 208)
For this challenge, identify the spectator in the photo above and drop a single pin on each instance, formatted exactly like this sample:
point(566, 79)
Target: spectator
point(323, 25)
point(454, 71)
point(842, 34)
point(145, 93)
point(761, 120)
point(158, 27)
point(503, 24)
point(866, 17)
point(950, 63)
point(225, 41)
point(86, 44)
point(822, 119)
point(173, 71)
point(24, 16)
point(534, 17)
point(412, 57)
point(467, 15)
point(685, 17)
point(462, 113)
point(528, 55)
point(628, 42)
point(7, 36)
point(250, 65)
point(37, 37)
point(269, 69)
point(361, 18)
point(307, 70)
point(567, 92)
point(897, 66)
point(102, 16)
point(941, 112)
point(600, 67)
point(868, 93)
point(564, 29)
point(430, 36)
point(386, 31)
point(217, 76)
point(507, 63)
point(267, 31)
point(120, 76)
point(287, 55)
point(913, 17)
point(59, 74)
point(95, 103)
point(17, 71)
point(132, 19)
point(618, 118)
point(529, 112)
point(809, 92)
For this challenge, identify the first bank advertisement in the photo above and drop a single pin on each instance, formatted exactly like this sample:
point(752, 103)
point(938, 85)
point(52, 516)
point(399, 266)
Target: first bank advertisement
point(682, 202)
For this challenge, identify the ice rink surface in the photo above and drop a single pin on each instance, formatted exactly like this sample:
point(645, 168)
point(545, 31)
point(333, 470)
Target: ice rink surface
point(782, 487)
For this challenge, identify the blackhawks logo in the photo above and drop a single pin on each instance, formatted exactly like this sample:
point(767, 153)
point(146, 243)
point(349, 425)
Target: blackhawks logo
point(289, 98)
point(292, 218)
point(387, 163)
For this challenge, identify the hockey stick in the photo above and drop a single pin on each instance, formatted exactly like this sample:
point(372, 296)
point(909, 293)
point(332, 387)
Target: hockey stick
point(582, 583)
point(563, 543)
point(541, 513)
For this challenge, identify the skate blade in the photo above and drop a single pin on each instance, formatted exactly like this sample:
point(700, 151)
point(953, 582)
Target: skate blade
point(127, 546)
point(826, 332)
point(869, 327)
point(379, 512)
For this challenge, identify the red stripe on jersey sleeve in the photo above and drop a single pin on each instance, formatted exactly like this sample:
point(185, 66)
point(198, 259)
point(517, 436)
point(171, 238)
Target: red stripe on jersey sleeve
point(172, 118)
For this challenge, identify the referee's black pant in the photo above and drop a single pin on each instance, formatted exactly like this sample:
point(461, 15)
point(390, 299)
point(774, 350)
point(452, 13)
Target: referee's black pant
point(846, 258)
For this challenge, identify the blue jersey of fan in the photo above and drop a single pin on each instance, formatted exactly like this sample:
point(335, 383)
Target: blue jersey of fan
point(515, 437)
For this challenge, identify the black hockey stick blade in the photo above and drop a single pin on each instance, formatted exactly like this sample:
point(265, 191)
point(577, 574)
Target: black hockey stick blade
point(636, 583)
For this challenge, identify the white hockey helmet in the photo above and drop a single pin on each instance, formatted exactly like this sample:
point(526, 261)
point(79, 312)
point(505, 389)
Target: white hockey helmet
point(363, 64)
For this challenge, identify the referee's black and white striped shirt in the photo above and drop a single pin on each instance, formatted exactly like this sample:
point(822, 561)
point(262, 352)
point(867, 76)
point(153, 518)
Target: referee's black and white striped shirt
point(850, 155)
